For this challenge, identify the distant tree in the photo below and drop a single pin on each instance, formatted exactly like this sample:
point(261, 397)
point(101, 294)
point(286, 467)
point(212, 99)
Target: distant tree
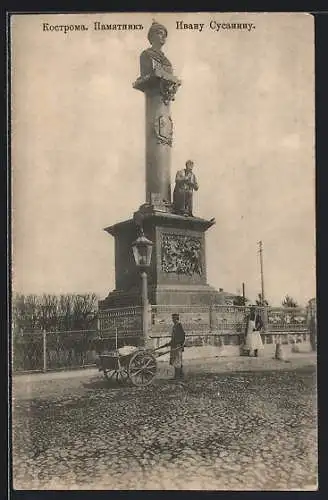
point(289, 302)
point(25, 312)
point(49, 312)
point(239, 300)
point(65, 305)
point(84, 310)
point(260, 302)
point(18, 313)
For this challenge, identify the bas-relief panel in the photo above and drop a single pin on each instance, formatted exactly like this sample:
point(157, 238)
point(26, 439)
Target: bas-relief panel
point(181, 254)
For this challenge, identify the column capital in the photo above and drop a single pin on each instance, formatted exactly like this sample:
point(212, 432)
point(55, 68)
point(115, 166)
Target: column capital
point(160, 82)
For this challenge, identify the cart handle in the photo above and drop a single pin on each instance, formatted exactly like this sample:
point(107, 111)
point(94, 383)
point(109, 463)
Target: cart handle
point(161, 346)
point(168, 345)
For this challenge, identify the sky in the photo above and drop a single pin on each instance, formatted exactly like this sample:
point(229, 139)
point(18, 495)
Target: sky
point(244, 114)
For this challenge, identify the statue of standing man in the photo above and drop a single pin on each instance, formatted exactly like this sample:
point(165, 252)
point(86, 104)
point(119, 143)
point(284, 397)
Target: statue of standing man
point(185, 184)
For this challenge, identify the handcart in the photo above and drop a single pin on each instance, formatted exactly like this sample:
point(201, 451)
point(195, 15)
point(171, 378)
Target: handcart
point(138, 366)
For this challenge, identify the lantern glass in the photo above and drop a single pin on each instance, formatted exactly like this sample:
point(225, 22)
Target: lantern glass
point(142, 250)
point(135, 254)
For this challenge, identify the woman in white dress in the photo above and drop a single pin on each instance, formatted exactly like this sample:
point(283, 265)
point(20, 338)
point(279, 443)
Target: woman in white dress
point(253, 341)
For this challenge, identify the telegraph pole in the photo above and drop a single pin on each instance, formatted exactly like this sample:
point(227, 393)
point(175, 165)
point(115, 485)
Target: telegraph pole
point(260, 244)
point(263, 304)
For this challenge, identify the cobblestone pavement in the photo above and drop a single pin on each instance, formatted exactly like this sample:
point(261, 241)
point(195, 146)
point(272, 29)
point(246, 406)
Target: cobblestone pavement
point(214, 431)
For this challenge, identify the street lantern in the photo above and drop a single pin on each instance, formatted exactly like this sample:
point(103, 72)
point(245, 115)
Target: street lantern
point(142, 250)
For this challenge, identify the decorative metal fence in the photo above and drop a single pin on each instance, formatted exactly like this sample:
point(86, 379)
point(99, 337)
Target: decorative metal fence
point(204, 325)
point(227, 325)
point(288, 319)
point(228, 319)
point(195, 319)
point(42, 351)
point(124, 321)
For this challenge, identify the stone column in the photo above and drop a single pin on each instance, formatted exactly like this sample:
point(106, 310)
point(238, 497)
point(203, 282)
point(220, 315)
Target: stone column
point(159, 85)
point(159, 130)
point(159, 89)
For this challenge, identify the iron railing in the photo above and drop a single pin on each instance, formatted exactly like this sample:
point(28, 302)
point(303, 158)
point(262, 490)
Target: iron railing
point(228, 319)
point(124, 321)
point(204, 325)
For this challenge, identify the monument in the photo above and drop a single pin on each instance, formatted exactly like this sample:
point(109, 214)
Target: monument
point(177, 273)
point(185, 184)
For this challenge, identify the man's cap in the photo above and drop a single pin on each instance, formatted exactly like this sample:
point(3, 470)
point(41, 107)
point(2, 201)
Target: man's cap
point(175, 315)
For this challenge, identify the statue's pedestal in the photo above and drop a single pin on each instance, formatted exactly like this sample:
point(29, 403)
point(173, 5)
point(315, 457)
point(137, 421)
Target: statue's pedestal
point(177, 274)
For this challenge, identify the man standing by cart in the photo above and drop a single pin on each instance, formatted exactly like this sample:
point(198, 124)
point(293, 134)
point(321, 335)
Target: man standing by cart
point(177, 346)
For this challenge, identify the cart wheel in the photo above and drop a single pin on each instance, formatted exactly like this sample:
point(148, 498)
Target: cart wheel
point(142, 368)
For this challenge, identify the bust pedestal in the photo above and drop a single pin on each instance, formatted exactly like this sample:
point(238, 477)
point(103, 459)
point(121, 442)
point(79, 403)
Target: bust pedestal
point(159, 89)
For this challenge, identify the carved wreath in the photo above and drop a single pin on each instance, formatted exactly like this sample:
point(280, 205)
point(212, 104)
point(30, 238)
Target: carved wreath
point(181, 255)
point(164, 130)
point(168, 90)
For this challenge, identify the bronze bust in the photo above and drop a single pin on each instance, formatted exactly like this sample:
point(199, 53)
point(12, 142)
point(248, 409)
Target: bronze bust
point(153, 60)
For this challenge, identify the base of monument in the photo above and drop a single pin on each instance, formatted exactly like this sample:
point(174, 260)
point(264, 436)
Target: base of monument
point(177, 272)
point(186, 295)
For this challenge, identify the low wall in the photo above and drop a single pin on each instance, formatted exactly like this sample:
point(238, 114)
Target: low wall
point(208, 352)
